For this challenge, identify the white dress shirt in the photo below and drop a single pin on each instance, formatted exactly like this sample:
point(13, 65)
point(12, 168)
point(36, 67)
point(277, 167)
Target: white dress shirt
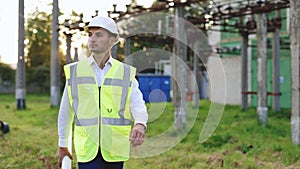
point(65, 117)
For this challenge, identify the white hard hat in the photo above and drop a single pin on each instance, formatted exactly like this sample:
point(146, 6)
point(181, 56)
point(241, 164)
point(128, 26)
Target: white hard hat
point(104, 22)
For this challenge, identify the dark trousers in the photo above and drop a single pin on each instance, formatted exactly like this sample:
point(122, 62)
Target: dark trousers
point(99, 163)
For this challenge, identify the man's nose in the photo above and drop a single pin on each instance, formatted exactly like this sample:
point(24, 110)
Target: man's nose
point(92, 37)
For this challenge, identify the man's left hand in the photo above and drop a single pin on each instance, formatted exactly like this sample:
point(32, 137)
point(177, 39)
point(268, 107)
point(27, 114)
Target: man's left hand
point(137, 135)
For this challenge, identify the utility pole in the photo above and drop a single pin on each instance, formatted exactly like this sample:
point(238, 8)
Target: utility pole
point(76, 58)
point(20, 73)
point(114, 51)
point(196, 73)
point(68, 50)
point(262, 109)
point(55, 63)
point(127, 51)
point(181, 72)
point(295, 69)
point(244, 53)
point(276, 66)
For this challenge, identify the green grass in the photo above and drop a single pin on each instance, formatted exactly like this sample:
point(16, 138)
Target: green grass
point(32, 140)
point(238, 142)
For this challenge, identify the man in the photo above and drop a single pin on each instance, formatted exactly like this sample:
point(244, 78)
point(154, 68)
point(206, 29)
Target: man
point(101, 95)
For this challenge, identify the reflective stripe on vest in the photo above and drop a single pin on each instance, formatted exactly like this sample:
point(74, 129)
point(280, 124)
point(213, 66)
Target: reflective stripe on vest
point(73, 82)
point(125, 83)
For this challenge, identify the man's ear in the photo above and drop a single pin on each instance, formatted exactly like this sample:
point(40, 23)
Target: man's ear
point(112, 39)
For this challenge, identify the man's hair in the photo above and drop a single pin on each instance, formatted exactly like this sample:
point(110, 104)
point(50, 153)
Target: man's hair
point(112, 34)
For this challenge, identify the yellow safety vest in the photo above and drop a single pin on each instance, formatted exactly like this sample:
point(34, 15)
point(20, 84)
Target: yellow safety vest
point(115, 115)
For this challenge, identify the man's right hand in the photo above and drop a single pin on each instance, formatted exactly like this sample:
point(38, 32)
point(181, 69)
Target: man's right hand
point(62, 152)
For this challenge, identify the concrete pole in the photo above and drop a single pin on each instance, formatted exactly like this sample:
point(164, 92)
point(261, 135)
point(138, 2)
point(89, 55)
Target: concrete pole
point(181, 78)
point(276, 67)
point(262, 109)
point(55, 63)
point(20, 73)
point(244, 68)
point(174, 85)
point(127, 51)
point(68, 51)
point(295, 69)
point(196, 74)
point(75, 54)
point(114, 51)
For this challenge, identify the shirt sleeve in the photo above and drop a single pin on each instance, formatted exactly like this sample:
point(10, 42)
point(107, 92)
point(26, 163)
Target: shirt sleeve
point(137, 105)
point(65, 119)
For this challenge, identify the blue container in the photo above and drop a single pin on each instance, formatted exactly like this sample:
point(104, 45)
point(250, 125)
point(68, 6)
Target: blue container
point(154, 83)
point(142, 82)
point(155, 88)
point(145, 95)
point(158, 95)
point(165, 83)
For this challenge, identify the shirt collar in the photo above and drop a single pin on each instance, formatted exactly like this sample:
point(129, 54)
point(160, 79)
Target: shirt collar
point(92, 61)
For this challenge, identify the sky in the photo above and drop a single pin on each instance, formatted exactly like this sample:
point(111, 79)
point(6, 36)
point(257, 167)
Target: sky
point(9, 18)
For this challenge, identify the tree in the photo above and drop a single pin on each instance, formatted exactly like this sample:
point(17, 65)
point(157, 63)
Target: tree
point(7, 74)
point(38, 31)
point(38, 46)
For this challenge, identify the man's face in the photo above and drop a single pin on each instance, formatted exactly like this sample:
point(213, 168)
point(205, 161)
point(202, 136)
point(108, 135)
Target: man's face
point(100, 40)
